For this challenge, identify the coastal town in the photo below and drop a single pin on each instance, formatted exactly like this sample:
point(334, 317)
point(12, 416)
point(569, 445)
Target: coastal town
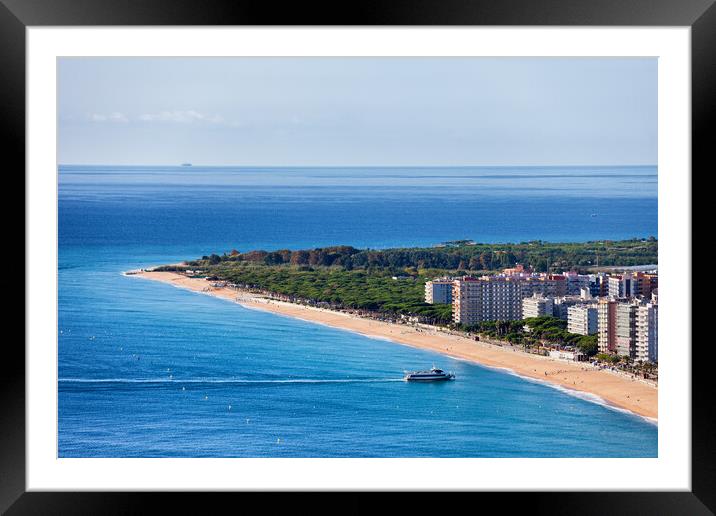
point(621, 309)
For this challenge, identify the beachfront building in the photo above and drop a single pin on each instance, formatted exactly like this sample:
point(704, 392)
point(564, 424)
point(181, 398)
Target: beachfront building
point(561, 354)
point(537, 306)
point(646, 334)
point(582, 319)
point(501, 297)
point(513, 296)
point(606, 325)
point(488, 298)
point(626, 329)
point(439, 291)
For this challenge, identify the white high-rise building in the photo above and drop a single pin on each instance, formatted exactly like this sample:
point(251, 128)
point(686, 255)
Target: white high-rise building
point(536, 306)
point(647, 333)
point(562, 305)
point(582, 319)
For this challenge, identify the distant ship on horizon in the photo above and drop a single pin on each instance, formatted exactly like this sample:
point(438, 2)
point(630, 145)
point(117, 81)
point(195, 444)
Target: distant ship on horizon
point(186, 164)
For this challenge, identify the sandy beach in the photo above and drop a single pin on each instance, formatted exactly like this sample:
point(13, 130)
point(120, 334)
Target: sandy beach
point(618, 390)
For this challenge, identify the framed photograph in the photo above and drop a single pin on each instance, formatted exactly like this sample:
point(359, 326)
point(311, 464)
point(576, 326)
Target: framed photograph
point(444, 248)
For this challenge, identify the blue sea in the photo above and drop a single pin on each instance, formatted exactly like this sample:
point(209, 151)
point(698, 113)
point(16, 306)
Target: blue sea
point(149, 370)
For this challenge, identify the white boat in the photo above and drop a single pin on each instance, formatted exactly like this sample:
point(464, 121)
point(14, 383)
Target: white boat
point(434, 375)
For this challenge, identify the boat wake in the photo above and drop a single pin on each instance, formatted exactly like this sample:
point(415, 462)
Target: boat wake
point(225, 381)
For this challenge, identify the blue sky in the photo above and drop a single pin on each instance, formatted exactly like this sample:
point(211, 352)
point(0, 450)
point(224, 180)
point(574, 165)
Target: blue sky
point(357, 111)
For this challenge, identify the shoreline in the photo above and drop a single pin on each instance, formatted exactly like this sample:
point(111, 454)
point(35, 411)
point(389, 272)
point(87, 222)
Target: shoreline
point(617, 391)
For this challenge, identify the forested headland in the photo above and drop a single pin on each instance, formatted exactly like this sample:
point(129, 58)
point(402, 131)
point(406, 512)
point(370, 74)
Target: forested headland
point(459, 256)
point(391, 281)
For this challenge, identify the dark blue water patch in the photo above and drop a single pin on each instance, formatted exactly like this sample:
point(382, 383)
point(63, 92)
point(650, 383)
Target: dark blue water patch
point(223, 224)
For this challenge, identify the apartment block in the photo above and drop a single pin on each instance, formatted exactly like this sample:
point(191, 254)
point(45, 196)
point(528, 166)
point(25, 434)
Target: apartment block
point(562, 305)
point(626, 329)
point(439, 291)
point(606, 325)
point(488, 298)
point(513, 296)
point(582, 319)
point(536, 306)
point(647, 333)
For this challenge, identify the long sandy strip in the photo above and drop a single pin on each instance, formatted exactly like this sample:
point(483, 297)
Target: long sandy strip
point(618, 390)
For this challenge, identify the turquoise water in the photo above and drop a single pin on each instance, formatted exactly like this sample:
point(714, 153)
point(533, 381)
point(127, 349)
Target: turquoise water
point(149, 370)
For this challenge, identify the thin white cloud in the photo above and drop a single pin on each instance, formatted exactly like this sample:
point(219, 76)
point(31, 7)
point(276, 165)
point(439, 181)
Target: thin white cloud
point(177, 116)
point(115, 117)
point(181, 117)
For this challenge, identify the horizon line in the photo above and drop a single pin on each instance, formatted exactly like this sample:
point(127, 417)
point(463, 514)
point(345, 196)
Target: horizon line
point(471, 242)
point(352, 166)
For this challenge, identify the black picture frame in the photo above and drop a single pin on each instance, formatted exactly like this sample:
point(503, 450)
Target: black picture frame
point(17, 15)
